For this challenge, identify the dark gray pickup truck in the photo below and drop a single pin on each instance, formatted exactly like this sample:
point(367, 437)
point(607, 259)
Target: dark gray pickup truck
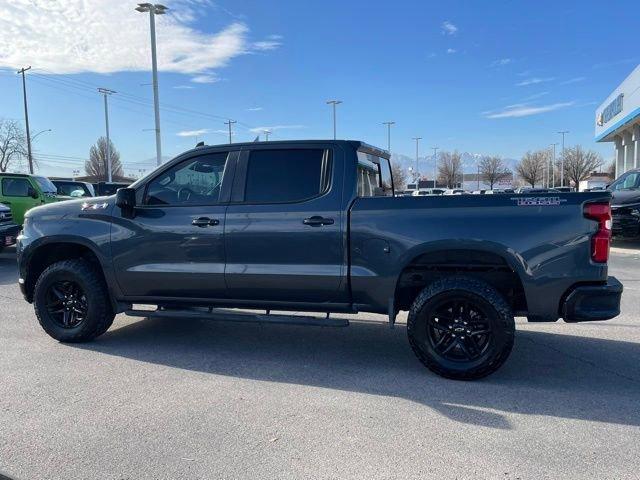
point(314, 226)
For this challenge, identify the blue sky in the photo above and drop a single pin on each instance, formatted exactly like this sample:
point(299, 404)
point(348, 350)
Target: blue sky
point(496, 77)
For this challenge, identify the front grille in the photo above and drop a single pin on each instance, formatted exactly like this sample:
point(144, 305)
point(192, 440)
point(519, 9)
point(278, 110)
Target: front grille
point(6, 218)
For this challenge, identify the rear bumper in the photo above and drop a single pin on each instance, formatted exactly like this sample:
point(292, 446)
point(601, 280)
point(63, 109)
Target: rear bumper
point(586, 303)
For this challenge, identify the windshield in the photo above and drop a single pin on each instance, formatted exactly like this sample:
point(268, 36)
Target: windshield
point(630, 181)
point(45, 185)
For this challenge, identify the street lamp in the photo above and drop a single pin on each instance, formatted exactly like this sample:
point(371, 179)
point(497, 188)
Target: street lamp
point(334, 103)
point(154, 10)
point(388, 124)
point(417, 139)
point(40, 132)
point(563, 133)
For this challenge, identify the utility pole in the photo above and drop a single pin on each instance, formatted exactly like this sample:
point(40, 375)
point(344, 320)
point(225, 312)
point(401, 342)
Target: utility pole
point(229, 123)
point(106, 92)
point(553, 165)
point(26, 117)
point(334, 103)
point(417, 139)
point(435, 166)
point(154, 10)
point(266, 134)
point(563, 133)
point(388, 124)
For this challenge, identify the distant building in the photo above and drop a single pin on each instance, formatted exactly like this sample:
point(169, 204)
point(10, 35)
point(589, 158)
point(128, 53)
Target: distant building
point(595, 180)
point(618, 121)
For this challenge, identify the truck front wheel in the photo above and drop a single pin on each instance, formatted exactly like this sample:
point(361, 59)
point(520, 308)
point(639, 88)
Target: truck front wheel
point(71, 301)
point(461, 328)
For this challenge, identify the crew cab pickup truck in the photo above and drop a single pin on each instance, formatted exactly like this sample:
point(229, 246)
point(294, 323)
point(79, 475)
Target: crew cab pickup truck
point(314, 226)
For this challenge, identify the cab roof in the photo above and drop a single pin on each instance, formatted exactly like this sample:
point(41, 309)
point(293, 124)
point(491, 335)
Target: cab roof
point(355, 144)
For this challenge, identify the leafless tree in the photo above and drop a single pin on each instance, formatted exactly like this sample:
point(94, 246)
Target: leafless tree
point(399, 176)
point(13, 144)
point(450, 169)
point(97, 164)
point(579, 163)
point(492, 170)
point(531, 167)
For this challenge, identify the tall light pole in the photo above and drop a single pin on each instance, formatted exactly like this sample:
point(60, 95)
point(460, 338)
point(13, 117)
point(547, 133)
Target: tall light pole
point(26, 117)
point(106, 92)
point(553, 165)
point(435, 166)
point(334, 103)
point(388, 124)
point(230, 123)
point(417, 139)
point(154, 10)
point(563, 133)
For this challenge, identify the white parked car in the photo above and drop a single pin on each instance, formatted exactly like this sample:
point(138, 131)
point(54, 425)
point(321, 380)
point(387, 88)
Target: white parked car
point(428, 192)
point(454, 191)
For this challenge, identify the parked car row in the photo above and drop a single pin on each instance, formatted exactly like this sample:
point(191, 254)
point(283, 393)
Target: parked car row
point(20, 192)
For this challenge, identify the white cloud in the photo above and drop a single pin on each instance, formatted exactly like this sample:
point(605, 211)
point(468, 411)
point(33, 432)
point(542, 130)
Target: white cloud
point(205, 79)
point(451, 50)
point(106, 36)
point(534, 96)
point(534, 81)
point(273, 128)
point(573, 80)
point(524, 110)
point(183, 87)
point(269, 44)
point(449, 28)
point(501, 62)
point(254, 109)
point(193, 133)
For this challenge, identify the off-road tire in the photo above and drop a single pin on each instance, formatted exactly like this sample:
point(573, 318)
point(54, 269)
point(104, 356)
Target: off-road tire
point(499, 314)
point(99, 312)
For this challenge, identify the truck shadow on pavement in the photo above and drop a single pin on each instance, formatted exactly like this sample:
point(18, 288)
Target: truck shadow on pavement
point(556, 375)
point(8, 269)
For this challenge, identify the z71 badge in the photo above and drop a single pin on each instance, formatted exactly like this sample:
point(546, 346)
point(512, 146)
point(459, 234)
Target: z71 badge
point(538, 201)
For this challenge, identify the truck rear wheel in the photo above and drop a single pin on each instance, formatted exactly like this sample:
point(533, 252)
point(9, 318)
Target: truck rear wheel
point(71, 301)
point(461, 328)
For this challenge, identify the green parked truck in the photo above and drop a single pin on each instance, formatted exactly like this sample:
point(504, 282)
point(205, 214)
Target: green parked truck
point(22, 192)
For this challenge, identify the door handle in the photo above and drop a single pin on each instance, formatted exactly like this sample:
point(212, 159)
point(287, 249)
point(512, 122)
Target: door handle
point(317, 221)
point(205, 222)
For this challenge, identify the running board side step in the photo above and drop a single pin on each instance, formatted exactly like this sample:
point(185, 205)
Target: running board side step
point(224, 315)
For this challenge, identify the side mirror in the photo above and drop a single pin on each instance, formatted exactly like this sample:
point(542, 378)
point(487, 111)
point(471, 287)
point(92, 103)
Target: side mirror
point(32, 193)
point(126, 200)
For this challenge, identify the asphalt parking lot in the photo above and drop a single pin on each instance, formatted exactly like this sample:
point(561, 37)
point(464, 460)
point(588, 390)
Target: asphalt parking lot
point(194, 399)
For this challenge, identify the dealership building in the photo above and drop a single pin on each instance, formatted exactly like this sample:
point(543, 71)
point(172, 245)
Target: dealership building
point(618, 121)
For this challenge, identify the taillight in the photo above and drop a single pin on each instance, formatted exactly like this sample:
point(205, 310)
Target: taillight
point(601, 213)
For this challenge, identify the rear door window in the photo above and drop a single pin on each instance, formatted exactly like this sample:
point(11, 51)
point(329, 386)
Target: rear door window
point(285, 176)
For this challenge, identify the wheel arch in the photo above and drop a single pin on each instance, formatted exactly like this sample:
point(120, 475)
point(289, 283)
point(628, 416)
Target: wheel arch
point(494, 263)
point(51, 249)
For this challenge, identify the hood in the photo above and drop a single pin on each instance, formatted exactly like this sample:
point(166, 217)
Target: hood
point(625, 197)
point(75, 207)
